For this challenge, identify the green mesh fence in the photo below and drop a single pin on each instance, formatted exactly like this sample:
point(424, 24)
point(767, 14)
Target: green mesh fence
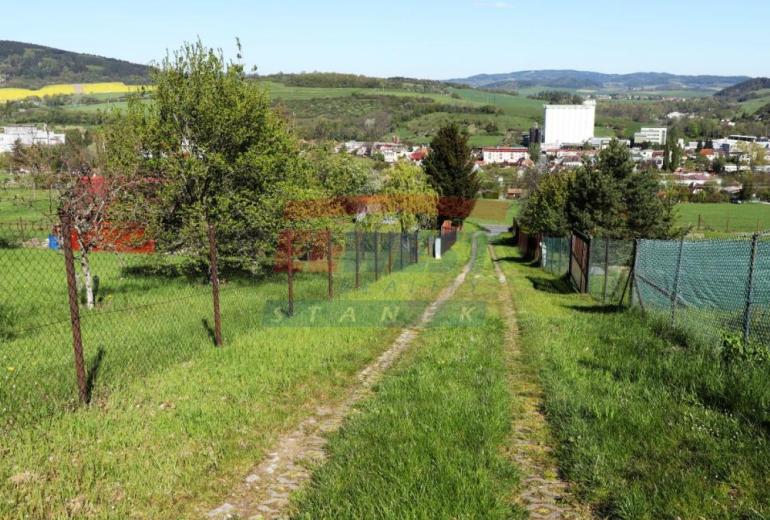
point(609, 269)
point(555, 255)
point(709, 287)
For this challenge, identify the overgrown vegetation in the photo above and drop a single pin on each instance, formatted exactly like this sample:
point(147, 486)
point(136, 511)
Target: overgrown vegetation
point(650, 425)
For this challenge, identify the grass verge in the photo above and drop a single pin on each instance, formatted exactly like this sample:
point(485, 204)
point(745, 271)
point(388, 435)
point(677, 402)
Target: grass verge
point(429, 443)
point(170, 443)
point(648, 427)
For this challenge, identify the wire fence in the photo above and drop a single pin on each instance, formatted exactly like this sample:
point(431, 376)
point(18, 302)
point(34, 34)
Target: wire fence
point(709, 288)
point(62, 343)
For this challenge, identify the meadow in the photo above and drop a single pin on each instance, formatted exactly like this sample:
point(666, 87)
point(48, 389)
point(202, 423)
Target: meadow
point(724, 218)
point(487, 211)
point(650, 424)
point(173, 421)
point(20, 200)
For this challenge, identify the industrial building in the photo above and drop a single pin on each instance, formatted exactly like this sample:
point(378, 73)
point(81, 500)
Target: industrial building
point(504, 155)
point(569, 124)
point(656, 136)
point(27, 136)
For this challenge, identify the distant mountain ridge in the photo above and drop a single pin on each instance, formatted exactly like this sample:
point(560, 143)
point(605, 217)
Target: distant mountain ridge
point(578, 79)
point(26, 65)
point(744, 88)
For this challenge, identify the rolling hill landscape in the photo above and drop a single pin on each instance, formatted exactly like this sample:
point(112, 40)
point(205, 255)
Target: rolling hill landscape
point(231, 294)
point(576, 79)
point(25, 65)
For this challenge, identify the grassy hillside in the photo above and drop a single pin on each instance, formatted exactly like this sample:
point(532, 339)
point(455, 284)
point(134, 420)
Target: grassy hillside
point(25, 65)
point(649, 426)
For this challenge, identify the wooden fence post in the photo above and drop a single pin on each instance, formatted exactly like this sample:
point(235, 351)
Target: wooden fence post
point(606, 268)
point(290, 272)
point(376, 255)
point(72, 294)
point(214, 271)
point(358, 258)
point(330, 262)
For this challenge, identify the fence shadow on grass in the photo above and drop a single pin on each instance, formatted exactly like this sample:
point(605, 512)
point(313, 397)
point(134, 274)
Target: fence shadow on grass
point(93, 373)
point(597, 309)
point(551, 285)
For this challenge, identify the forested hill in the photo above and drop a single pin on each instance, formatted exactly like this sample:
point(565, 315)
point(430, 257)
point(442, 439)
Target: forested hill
point(577, 79)
point(26, 65)
point(745, 88)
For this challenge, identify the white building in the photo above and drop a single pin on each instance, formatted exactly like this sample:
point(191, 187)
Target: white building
point(651, 135)
point(504, 155)
point(27, 136)
point(570, 124)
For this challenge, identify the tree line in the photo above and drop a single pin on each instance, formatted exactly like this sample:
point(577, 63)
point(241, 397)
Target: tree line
point(210, 167)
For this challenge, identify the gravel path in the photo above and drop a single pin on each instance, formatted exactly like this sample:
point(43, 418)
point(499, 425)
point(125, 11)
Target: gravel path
point(266, 492)
point(544, 495)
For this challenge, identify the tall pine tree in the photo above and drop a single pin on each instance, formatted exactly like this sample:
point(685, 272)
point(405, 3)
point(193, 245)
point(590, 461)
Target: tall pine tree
point(449, 168)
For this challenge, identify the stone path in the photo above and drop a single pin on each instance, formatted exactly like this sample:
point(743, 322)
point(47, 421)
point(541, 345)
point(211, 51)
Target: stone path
point(266, 492)
point(544, 495)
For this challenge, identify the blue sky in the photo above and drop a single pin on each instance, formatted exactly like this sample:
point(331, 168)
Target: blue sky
point(427, 39)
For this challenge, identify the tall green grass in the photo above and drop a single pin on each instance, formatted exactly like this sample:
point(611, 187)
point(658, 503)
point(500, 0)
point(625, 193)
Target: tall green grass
point(428, 443)
point(650, 424)
point(170, 441)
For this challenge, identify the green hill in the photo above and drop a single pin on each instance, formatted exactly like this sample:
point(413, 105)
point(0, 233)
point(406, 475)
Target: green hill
point(742, 91)
point(25, 65)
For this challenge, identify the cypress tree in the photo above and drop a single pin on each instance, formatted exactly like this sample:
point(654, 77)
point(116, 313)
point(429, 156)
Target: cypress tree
point(449, 167)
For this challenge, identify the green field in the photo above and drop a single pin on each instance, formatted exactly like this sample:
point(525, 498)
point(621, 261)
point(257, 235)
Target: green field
point(21, 200)
point(488, 211)
point(649, 425)
point(174, 422)
point(725, 218)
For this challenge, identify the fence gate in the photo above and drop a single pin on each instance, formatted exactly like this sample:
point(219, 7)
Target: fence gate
point(580, 261)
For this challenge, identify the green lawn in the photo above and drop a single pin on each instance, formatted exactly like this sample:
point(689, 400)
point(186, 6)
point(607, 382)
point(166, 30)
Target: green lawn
point(487, 211)
point(430, 442)
point(725, 217)
point(648, 427)
point(20, 200)
point(174, 422)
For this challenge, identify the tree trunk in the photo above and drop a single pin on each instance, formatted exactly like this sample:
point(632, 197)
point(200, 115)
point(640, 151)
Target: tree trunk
point(88, 278)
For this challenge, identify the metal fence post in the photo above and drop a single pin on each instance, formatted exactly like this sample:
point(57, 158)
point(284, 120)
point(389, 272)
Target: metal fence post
point(606, 268)
point(417, 246)
point(290, 272)
point(390, 252)
point(589, 244)
point(674, 293)
point(750, 290)
point(330, 262)
point(401, 251)
point(72, 294)
point(214, 271)
point(358, 258)
point(376, 254)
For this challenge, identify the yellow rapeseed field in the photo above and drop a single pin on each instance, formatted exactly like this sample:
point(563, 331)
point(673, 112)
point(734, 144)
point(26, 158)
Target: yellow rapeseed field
point(15, 94)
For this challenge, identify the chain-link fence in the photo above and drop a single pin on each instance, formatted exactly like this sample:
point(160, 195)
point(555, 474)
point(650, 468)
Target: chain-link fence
point(133, 312)
point(609, 269)
point(555, 255)
point(707, 287)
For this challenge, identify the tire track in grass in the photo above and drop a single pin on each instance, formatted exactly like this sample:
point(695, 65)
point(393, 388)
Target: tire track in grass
point(266, 492)
point(544, 495)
